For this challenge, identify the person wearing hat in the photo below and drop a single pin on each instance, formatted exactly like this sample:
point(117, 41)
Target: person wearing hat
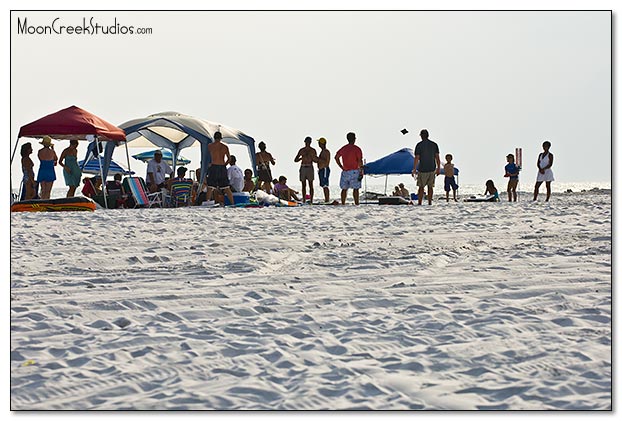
point(511, 170)
point(323, 170)
point(157, 170)
point(306, 156)
point(47, 161)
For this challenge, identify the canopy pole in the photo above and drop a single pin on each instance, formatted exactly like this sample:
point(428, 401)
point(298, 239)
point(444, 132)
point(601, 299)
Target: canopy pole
point(101, 171)
point(127, 154)
point(10, 176)
point(386, 180)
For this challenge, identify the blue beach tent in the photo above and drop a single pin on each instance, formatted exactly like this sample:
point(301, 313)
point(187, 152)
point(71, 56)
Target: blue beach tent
point(92, 167)
point(167, 156)
point(398, 163)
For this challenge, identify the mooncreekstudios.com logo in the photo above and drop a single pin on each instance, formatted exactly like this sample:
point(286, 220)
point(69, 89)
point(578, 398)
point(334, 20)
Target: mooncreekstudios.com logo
point(87, 27)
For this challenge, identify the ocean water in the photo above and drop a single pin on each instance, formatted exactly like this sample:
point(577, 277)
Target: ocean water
point(373, 186)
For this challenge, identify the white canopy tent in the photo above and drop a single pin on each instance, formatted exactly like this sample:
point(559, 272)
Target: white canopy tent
point(176, 131)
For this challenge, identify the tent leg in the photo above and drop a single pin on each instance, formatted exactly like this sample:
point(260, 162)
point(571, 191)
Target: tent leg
point(127, 154)
point(101, 172)
point(386, 180)
point(10, 177)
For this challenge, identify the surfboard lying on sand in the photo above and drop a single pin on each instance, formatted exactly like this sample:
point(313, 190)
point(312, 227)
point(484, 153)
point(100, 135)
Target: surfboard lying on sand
point(481, 198)
point(65, 204)
point(393, 200)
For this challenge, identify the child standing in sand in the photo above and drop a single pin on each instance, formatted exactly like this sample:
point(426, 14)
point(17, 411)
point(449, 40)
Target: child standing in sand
point(450, 179)
point(492, 190)
point(511, 170)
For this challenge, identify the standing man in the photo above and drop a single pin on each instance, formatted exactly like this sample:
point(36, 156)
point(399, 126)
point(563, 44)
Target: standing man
point(306, 156)
point(264, 159)
point(429, 161)
point(217, 172)
point(351, 168)
point(323, 171)
point(157, 170)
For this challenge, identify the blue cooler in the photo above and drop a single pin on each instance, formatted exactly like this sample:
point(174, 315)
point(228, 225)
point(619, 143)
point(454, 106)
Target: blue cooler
point(413, 196)
point(239, 197)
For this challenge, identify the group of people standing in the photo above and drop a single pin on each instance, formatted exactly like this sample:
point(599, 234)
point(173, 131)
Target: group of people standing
point(349, 159)
point(226, 177)
point(427, 166)
point(41, 186)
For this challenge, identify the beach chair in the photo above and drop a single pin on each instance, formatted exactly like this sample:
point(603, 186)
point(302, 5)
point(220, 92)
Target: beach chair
point(137, 187)
point(181, 193)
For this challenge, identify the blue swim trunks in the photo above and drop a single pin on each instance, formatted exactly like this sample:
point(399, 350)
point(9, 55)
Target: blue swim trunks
point(323, 175)
point(450, 183)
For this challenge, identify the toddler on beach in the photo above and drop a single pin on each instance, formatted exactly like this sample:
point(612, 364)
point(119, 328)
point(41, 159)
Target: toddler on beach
point(511, 170)
point(450, 180)
point(492, 190)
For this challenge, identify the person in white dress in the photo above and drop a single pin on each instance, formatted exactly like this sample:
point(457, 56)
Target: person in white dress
point(545, 173)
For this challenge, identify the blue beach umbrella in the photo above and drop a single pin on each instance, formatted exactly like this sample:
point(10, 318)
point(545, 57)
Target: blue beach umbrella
point(167, 156)
point(92, 167)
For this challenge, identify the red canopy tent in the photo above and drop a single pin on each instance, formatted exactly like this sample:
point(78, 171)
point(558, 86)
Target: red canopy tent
point(72, 123)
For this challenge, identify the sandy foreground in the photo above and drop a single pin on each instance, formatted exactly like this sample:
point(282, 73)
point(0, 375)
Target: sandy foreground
point(452, 306)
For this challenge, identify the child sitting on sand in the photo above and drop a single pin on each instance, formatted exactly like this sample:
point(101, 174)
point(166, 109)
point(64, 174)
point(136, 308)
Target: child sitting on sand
point(492, 190)
point(282, 191)
point(450, 179)
point(511, 170)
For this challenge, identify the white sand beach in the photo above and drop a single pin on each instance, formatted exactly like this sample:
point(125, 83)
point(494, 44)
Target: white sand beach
point(455, 306)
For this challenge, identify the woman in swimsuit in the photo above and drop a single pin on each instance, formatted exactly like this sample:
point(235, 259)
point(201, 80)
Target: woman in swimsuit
point(29, 190)
point(48, 160)
point(71, 171)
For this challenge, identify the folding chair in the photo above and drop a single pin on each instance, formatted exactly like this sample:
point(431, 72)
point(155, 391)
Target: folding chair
point(181, 192)
point(137, 187)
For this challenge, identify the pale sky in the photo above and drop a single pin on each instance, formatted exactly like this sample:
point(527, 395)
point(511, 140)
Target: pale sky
point(482, 83)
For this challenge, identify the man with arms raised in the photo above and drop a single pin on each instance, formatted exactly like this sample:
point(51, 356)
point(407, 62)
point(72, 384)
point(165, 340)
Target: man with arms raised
point(217, 177)
point(351, 168)
point(429, 162)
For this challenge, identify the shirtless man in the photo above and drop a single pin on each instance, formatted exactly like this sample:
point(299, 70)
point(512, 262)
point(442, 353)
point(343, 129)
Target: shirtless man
point(306, 156)
point(323, 171)
point(264, 159)
point(217, 172)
